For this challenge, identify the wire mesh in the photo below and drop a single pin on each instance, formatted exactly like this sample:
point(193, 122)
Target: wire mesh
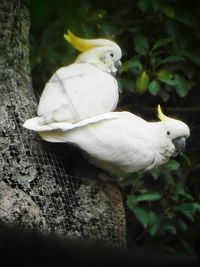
point(44, 195)
point(36, 189)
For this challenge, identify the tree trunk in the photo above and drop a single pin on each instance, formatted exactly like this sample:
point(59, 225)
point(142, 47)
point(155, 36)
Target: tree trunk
point(36, 189)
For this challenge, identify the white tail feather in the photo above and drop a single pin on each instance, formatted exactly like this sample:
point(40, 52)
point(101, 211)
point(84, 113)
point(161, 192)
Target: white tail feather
point(34, 123)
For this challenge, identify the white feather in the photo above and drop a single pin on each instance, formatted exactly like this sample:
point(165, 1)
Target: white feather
point(77, 92)
point(124, 144)
point(34, 123)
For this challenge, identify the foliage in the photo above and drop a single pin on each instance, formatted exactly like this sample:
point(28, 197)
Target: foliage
point(168, 56)
point(161, 58)
point(163, 204)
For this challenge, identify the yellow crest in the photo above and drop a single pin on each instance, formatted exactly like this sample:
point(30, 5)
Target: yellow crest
point(160, 114)
point(79, 43)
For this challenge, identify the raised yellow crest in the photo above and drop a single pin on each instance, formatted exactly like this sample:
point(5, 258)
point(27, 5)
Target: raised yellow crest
point(79, 43)
point(160, 114)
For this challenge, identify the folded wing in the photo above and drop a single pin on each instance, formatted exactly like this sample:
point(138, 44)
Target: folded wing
point(77, 92)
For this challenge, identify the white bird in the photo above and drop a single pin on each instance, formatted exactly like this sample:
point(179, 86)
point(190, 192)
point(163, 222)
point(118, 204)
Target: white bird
point(85, 88)
point(121, 142)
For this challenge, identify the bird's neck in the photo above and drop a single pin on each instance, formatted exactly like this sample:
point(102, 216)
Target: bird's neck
point(163, 145)
point(108, 68)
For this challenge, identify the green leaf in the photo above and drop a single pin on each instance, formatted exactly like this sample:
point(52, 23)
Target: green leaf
point(141, 44)
point(164, 95)
point(169, 228)
point(144, 5)
point(170, 215)
point(153, 217)
point(168, 176)
point(168, 11)
point(188, 209)
point(193, 56)
point(179, 189)
point(188, 247)
point(132, 64)
point(142, 215)
point(131, 201)
point(154, 87)
point(126, 84)
point(149, 196)
point(154, 223)
point(196, 206)
point(166, 77)
point(186, 159)
point(182, 226)
point(187, 19)
point(157, 5)
point(143, 190)
point(156, 173)
point(154, 229)
point(172, 59)
point(160, 43)
point(188, 215)
point(142, 82)
point(188, 196)
point(182, 85)
point(172, 29)
point(172, 165)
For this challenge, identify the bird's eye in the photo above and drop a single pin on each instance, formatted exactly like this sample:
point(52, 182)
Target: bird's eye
point(168, 132)
point(111, 54)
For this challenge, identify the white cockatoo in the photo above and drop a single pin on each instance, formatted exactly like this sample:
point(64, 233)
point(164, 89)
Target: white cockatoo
point(85, 88)
point(121, 142)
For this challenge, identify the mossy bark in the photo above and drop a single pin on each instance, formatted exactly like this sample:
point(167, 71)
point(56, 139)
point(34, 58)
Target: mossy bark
point(36, 189)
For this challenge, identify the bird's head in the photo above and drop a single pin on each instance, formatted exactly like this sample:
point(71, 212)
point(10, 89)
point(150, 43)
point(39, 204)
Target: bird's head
point(175, 131)
point(104, 54)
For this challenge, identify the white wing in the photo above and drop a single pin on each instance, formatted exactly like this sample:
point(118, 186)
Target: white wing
point(35, 125)
point(77, 92)
point(121, 144)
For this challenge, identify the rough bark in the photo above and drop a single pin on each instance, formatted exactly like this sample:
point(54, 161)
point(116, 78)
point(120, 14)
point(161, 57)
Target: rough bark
point(35, 189)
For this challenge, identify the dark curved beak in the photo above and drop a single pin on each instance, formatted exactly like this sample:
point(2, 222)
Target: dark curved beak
point(179, 144)
point(118, 66)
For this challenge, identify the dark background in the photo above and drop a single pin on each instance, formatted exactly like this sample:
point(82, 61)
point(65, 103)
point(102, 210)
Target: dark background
point(160, 40)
